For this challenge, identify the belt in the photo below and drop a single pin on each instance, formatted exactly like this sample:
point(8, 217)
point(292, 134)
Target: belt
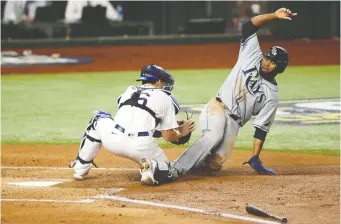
point(218, 99)
point(139, 134)
point(234, 117)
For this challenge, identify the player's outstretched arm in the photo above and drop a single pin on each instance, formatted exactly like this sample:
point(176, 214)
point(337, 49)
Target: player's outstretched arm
point(282, 13)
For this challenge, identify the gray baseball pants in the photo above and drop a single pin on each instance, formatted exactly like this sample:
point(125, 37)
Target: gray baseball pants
point(218, 132)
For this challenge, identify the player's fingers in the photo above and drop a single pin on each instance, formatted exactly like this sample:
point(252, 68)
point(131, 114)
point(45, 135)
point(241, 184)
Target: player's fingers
point(190, 130)
point(288, 18)
point(191, 125)
point(189, 122)
point(294, 14)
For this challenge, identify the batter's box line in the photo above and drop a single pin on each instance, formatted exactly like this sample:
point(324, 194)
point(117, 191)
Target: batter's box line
point(47, 200)
point(183, 208)
point(65, 168)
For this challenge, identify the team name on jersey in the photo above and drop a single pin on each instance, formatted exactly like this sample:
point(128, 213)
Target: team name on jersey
point(252, 84)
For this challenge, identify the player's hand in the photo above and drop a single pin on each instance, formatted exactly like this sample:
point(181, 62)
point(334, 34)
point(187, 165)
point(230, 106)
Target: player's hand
point(187, 127)
point(284, 13)
point(257, 165)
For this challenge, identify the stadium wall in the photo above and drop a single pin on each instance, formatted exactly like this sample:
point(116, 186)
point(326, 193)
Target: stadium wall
point(172, 53)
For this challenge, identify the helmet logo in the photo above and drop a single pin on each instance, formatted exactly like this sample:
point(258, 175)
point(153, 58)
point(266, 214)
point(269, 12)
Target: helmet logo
point(274, 51)
point(156, 66)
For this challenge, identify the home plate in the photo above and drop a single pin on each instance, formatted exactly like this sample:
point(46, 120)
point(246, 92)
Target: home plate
point(35, 183)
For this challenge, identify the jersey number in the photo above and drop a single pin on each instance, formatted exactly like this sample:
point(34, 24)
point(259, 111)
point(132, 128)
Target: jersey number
point(144, 100)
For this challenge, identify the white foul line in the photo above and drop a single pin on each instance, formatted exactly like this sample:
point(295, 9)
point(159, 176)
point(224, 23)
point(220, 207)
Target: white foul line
point(197, 210)
point(117, 198)
point(63, 168)
point(49, 200)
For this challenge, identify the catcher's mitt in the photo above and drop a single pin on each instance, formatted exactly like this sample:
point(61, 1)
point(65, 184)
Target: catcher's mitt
point(184, 139)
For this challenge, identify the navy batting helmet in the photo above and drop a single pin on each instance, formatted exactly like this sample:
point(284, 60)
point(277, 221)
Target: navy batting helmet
point(280, 56)
point(153, 73)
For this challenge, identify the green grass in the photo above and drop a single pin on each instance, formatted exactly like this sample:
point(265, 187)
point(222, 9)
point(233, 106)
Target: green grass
point(55, 109)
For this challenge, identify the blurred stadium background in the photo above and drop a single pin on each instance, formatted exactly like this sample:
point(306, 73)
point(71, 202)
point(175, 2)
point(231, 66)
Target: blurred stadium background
point(74, 18)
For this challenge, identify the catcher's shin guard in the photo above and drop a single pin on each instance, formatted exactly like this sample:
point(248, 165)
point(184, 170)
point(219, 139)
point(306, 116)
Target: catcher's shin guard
point(89, 148)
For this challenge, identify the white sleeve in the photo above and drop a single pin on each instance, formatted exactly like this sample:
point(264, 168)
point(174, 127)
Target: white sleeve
point(249, 47)
point(74, 10)
point(111, 13)
point(168, 118)
point(266, 116)
point(127, 94)
point(10, 11)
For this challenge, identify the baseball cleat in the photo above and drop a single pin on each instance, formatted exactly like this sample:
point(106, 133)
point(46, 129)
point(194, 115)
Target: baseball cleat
point(147, 172)
point(175, 174)
point(78, 177)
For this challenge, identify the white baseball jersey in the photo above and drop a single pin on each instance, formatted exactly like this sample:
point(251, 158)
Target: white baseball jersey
point(135, 119)
point(245, 93)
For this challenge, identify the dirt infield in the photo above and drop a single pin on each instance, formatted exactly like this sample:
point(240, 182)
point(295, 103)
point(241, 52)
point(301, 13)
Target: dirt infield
point(196, 56)
point(306, 191)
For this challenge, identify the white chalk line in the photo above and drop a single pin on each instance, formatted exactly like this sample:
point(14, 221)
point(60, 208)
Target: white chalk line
point(142, 202)
point(197, 210)
point(89, 200)
point(118, 198)
point(47, 200)
point(64, 168)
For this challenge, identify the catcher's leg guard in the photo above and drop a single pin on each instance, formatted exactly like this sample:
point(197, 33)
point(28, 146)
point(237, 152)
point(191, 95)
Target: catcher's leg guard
point(89, 147)
point(85, 158)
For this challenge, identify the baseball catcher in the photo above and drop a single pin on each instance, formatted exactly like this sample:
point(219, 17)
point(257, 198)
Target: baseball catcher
point(130, 133)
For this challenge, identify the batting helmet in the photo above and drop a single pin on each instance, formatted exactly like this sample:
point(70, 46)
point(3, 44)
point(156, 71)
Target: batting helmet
point(153, 73)
point(280, 56)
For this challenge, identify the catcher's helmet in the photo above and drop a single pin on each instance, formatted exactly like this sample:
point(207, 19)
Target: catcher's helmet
point(154, 73)
point(280, 56)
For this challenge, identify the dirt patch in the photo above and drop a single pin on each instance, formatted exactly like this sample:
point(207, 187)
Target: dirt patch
point(196, 56)
point(306, 189)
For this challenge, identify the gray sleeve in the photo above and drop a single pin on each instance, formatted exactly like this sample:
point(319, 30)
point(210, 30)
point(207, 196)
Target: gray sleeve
point(249, 47)
point(266, 116)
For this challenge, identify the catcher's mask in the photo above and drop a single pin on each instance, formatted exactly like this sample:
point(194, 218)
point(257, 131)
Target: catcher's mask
point(280, 56)
point(153, 73)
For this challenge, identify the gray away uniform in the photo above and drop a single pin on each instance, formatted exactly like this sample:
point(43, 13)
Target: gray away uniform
point(243, 94)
